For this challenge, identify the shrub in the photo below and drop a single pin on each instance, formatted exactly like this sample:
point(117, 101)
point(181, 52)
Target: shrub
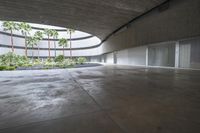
point(49, 63)
point(2, 68)
point(49, 60)
point(37, 62)
point(69, 62)
point(27, 65)
point(81, 60)
point(9, 68)
point(59, 58)
point(11, 59)
point(66, 63)
point(22, 61)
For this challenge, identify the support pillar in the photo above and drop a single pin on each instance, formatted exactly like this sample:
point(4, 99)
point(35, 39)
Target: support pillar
point(147, 56)
point(177, 49)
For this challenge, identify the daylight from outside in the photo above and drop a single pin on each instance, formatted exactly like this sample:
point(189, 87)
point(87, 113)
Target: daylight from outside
point(36, 46)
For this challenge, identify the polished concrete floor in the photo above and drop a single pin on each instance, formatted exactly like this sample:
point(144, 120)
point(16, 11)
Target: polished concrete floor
point(105, 99)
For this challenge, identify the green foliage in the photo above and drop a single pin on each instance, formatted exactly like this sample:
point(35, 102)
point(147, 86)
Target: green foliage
point(10, 68)
point(7, 68)
point(25, 28)
point(63, 42)
point(10, 26)
point(37, 62)
point(54, 34)
point(50, 60)
point(49, 63)
point(81, 60)
point(32, 41)
point(38, 35)
point(2, 68)
point(11, 61)
point(8, 59)
point(70, 31)
point(59, 58)
point(69, 62)
point(49, 32)
point(66, 63)
point(22, 61)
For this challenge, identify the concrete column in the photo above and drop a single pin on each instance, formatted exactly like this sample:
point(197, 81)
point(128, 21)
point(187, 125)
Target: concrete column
point(147, 56)
point(115, 57)
point(177, 49)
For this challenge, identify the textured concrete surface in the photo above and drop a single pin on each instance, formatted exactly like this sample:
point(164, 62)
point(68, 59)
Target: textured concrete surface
point(98, 17)
point(105, 99)
point(180, 21)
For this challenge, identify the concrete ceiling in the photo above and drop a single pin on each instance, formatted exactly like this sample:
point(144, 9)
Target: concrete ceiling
point(97, 17)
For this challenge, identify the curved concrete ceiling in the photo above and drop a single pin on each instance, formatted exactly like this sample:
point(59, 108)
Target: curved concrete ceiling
point(97, 17)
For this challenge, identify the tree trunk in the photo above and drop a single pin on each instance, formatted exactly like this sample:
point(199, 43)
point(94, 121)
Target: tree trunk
point(70, 44)
point(55, 47)
point(64, 51)
point(11, 37)
point(32, 52)
point(25, 47)
point(38, 52)
point(49, 47)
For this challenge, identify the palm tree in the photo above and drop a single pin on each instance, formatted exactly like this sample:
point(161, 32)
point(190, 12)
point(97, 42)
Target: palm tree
point(55, 36)
point(49, 33)
point(39, 36)
point(70, 31)
point(25, 29)
point(32, 41)
point(10, 26)
point(64, 43)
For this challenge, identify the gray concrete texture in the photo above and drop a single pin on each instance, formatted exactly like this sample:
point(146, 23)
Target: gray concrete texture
point(181, 20)
point(105, 99)
point(98, 17)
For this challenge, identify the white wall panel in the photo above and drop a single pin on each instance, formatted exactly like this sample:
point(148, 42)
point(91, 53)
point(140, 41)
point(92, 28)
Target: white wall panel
point(133, 56)
point(110, 58)
point(122, 57)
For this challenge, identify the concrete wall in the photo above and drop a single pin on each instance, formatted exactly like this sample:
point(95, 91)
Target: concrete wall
point(162, 54)
point(189, 53)
point(95, 59)
point(174, 54)
point(109, 58)
point(181, 20)
point(133, 56)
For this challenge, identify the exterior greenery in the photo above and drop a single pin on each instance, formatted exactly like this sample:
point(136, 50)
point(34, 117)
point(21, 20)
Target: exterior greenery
point(25, 29)
point(55, 36)
point(11, 61)
point(39, 36)
point(10, 26)
point(64, 43)
point(32, 41)
point(81, 60)
point(59, 58)
point(70, 31)
point(49, 33)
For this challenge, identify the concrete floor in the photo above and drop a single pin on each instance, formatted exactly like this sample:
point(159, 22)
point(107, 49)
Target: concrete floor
point(106, 99)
